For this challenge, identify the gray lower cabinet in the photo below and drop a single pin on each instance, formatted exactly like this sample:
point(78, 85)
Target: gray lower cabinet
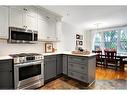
point(59, 64)
point(82, 68)
point(6, 74)
point(50, 67)
point(77, 67)
point(65, 62)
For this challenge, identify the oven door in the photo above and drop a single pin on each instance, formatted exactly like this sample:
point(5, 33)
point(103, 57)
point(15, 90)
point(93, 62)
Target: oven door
point(28, 73)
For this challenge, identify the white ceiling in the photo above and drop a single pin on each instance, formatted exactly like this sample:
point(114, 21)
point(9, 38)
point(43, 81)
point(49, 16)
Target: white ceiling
point(88, 16)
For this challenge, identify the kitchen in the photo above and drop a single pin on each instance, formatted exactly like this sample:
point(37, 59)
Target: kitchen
point(37, 47)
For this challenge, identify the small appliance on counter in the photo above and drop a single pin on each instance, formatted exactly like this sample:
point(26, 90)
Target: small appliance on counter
point(28, 70)
point(81, 51)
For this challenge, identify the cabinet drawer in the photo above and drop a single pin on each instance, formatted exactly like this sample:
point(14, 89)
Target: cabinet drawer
point(77, 59)
point(50, 57)
point(78, 68)
point(78, 76)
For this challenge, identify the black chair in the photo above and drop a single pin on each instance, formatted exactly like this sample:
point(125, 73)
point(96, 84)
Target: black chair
point(99, 61)
point(110, 59)
point(125, 63)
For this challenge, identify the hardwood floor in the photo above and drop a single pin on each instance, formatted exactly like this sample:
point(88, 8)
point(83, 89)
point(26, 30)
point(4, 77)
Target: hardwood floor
point(105, 79)
point(109, 74)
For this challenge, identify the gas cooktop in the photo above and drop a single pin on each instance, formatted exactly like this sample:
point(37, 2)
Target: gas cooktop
point(24, 54)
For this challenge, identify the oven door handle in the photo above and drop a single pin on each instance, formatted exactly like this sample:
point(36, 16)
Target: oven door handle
point(29, 64)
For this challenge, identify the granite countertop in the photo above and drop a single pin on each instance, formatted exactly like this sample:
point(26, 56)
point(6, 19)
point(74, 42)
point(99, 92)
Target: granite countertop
point(69, 53)
point(5, 57)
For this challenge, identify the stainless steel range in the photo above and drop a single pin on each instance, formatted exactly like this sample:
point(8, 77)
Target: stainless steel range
point(28, 70)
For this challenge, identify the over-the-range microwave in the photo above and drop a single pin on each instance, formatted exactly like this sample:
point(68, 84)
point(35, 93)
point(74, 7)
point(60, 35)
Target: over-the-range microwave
point(20, 35)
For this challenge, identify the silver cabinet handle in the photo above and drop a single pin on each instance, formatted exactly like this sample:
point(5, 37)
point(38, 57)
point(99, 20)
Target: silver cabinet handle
point(24, 9)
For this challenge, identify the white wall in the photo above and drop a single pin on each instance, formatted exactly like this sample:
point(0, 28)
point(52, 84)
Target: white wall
point(69, 36)
point(88, 38)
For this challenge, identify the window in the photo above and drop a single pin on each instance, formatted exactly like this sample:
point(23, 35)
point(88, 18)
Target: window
point(97, 42)
point(113, 39)
point(110, 39)
point(123, 41)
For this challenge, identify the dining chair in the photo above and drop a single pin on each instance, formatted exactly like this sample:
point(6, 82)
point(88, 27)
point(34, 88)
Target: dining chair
point(98, 57)
point(110, 58)
point(125, 63)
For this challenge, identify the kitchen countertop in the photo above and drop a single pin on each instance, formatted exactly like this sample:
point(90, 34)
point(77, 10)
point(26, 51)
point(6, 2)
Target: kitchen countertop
point(54, 53)
point(69, 53)
point(5, 57)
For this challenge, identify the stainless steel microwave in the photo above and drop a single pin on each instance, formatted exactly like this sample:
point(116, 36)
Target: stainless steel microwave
point(20, 35)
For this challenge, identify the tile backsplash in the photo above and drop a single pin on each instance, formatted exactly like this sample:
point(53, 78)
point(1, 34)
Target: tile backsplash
point(6, 48)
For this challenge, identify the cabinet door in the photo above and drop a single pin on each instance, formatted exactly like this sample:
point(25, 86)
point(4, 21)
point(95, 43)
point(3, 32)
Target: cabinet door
point(31, 10)
point(16, 17)
point(51, 29)
point(65, 62)
point(42, 29)
point(59, 64)
point(31, 22)
point(6, 74)
point(3, 22)
point(49, 69)
point(6, 80)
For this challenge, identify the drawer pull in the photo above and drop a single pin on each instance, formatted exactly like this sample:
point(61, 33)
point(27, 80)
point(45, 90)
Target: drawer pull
point(82, 67)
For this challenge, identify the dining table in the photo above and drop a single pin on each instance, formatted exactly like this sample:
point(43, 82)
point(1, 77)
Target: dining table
point(120, 57)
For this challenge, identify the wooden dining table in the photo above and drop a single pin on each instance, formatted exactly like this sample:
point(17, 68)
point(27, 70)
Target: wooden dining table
point(119, 56)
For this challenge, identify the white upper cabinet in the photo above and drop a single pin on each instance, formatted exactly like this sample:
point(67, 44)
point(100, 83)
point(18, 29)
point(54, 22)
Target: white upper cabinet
point(23, 17)
point(42, 29)
point(46, 29)
point(31, 22)
point(51, 29)
point(17, 17)
point(31, 17)
point(3, 22)
point(46, 26)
